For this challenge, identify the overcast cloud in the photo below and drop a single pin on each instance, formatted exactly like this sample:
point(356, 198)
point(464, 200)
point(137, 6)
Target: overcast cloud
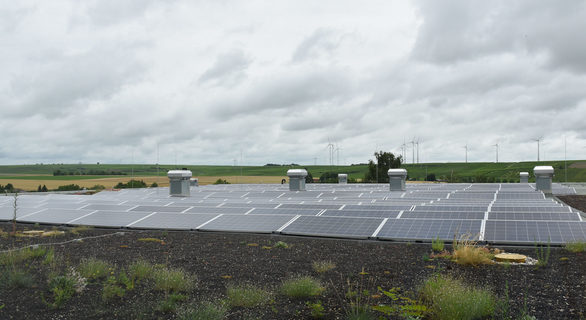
point(211, 82)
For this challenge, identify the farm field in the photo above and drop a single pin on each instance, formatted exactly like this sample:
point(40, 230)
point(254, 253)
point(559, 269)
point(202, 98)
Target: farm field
point(31, 183)
point(29, 177)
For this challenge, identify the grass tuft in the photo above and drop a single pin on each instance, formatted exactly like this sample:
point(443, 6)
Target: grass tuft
point(172, 280)
point(449, 298)
point(18, 256)
point(247, 296)
point(437, 245)
point(93, 269)
point(467, 252)
point(323, 266)
point(204, 311)
point(576, 246)
point(140, 270)
point(302, 287)
point(171, 302)
point(15, 278)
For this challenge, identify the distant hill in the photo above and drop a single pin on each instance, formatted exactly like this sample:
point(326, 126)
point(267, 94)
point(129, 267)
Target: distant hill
point(456, 172)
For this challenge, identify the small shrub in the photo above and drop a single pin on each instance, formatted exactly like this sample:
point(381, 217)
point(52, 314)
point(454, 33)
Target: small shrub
point(247, 296)
point(205, 311)
point(140, 270)
point(317, 310)
point(131, 184)
point(542, 254)
point(576, 246)
point(93, 269)
point(449, 298)
point(437, 245)
point(301, 287)
point(323, 266)
point(62, 289)
point(69, 187)
point(221, 181)
point(281, 244)
point(172, 280)
point(170, 303)
point(49, 257)
point(98, 187)
point(112, 289)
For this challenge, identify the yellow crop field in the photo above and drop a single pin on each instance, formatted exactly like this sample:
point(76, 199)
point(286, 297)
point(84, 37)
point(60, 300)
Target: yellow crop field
point(31, 185)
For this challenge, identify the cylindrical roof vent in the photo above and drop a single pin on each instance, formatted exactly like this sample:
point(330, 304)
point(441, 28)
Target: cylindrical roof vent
point(397, 179)
point(543, 178)
point(297, 179)
point(524, 177)
point(179, 182)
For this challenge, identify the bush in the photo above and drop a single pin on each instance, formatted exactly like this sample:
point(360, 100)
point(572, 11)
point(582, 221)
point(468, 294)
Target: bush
point(301, 287)
point(69, 187)
point(221, 181)
point(449, 298)
point(93, 269)
point(112, 290)
point(247, 296)
point(131, 184)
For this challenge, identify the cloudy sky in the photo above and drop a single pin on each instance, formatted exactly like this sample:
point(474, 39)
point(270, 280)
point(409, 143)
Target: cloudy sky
point(213, 82)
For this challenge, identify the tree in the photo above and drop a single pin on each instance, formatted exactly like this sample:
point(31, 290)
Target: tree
point(377, 172)
point(44, 188)
point(308, 177)
point(39, 189)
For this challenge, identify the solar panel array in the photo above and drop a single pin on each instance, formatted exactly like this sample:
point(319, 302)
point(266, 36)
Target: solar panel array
point(494, 213)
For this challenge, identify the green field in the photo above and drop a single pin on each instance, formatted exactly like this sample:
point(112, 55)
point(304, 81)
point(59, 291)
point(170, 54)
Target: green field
point(476, 171)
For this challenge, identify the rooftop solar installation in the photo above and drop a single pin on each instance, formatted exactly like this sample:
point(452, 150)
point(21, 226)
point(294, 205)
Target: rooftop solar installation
point(490, 212)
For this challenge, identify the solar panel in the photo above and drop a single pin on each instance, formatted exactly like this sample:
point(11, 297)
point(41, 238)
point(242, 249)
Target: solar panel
point(107, 207)
point(458, 215)
point(176, 221)
point(159, 209)
point(428, 229)
point(55, 216)
point(302, 212)
point(247, 223)
point(333, 227)
point(554, 232)
point(310, 206)
point(561, 216)
point(361, 213)
point(111, 218)
point(218, 210)
point(7, 213)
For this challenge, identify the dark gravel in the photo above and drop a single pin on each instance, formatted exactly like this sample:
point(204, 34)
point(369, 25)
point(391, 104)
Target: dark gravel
point(554, 291)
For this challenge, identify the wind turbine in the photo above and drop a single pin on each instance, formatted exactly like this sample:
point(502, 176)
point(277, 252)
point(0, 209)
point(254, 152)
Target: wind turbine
point(538, 140)
point(417, 143)
point(466, 147)
point(404, 148)
point(331, 151)
point(338, 153)
point(497, 151)
point(413, 146)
